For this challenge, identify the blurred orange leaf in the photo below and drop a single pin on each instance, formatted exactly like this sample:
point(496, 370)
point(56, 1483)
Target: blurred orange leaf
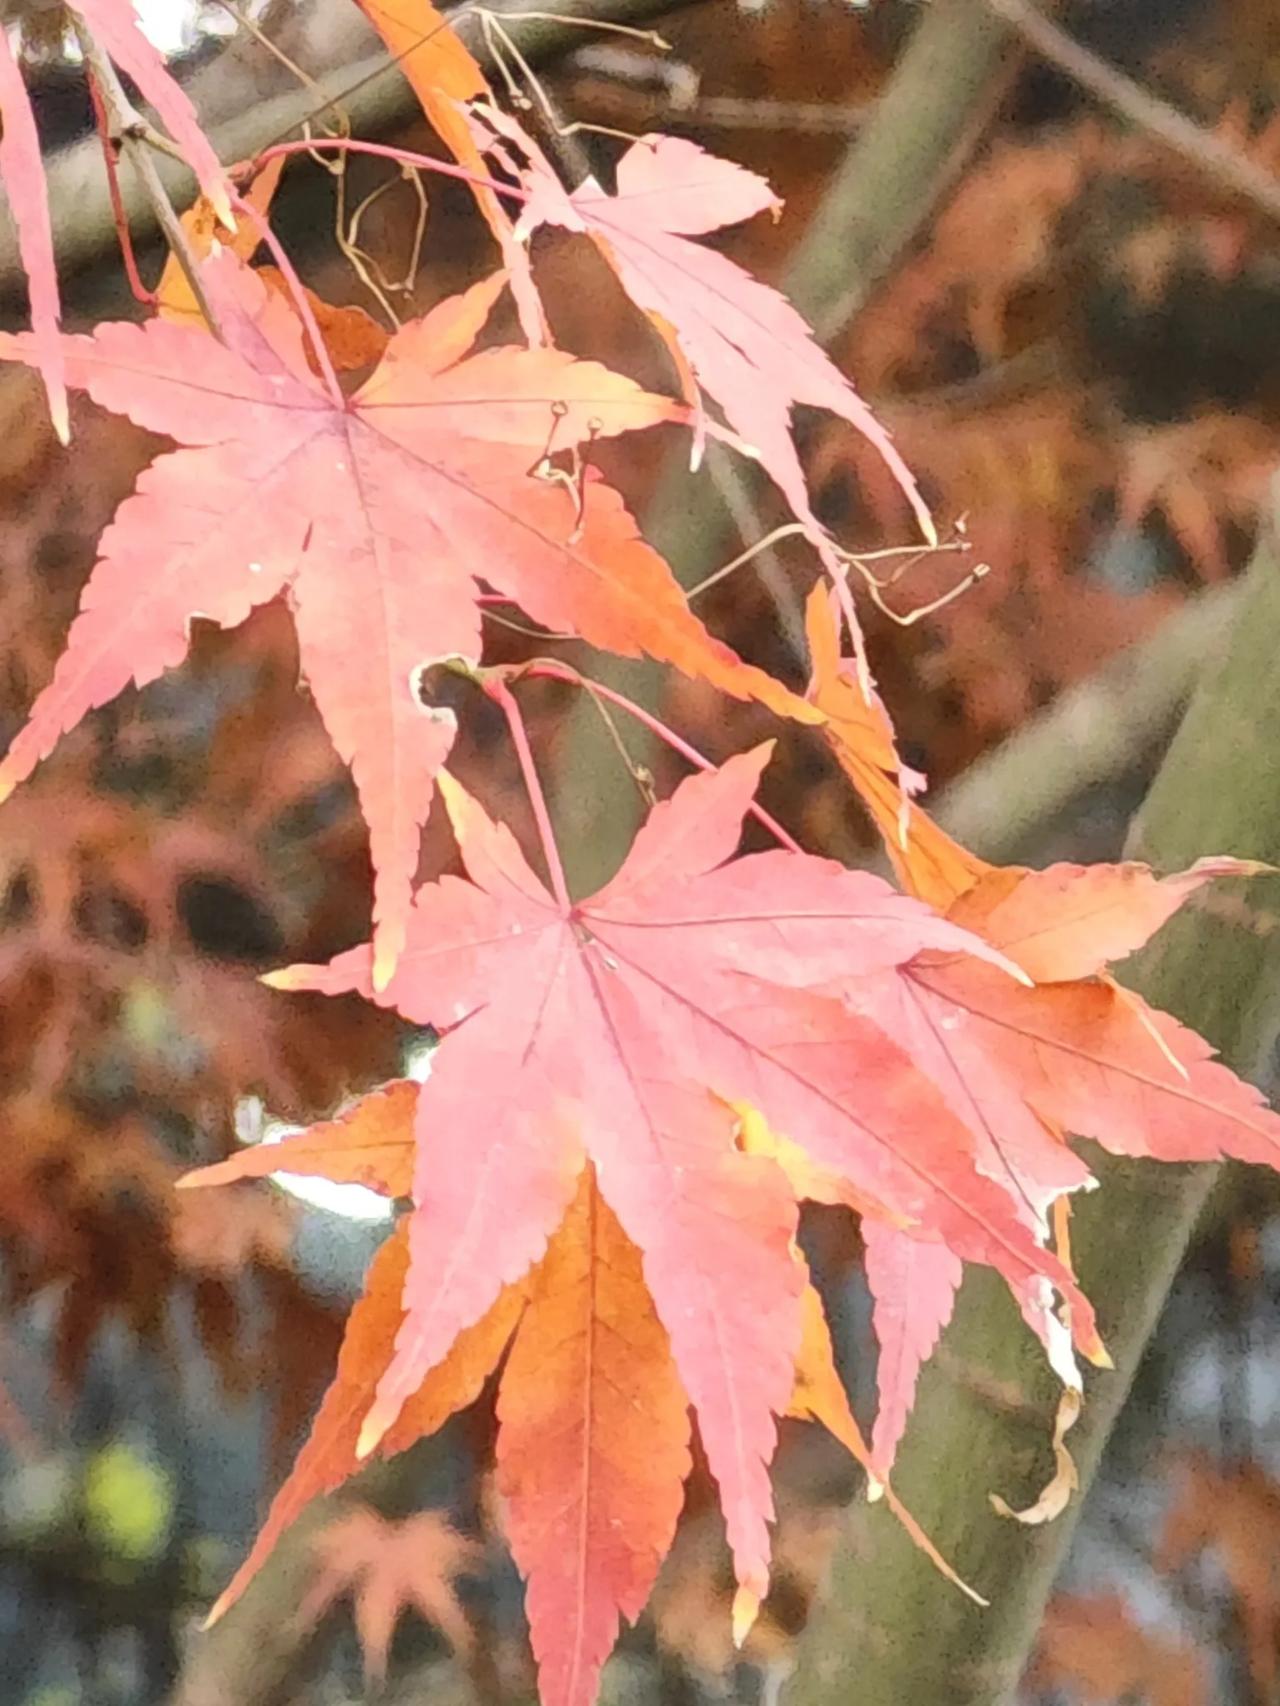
point(386, 1567)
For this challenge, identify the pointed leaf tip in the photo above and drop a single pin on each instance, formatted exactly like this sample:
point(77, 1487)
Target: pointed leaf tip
point(216, 1613)
point(746, 1608)
point(59, 414)
point(372, 1431)
point(1098, 1354)
point(385, 959)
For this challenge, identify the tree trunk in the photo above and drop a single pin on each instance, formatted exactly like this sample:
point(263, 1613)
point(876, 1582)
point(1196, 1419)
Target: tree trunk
point(891, 1631)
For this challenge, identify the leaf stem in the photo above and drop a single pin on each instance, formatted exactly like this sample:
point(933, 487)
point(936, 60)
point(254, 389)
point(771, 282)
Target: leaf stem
point(496, 687)
point(298, 293)
point(553, 670)
point(140, 291)
point(127, 132)
point(385, 151)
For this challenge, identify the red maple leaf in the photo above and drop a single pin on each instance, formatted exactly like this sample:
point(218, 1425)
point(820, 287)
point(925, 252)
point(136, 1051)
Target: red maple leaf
point(913, 1284)
point(378, 513)
point(616, 1029)
point(114, 27)
point(738, 339)
point(1019, 1066)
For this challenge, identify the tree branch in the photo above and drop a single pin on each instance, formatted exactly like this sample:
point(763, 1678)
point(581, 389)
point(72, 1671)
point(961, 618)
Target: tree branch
point(242, 115)
point(1099, 732)
point(1211, 155)
point(892, 1629)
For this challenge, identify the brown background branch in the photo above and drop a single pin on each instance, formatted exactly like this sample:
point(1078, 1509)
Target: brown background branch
point(247, 101)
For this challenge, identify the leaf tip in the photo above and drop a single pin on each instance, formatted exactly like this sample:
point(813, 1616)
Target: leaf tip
point(60, 416)
point(217, 1612)
point(372, 1430)
point(746, 1608)
point(220, 202)
point(385, 958)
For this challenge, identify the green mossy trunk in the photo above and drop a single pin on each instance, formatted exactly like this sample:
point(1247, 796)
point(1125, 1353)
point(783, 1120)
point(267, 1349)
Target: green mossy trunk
point(891, 1632)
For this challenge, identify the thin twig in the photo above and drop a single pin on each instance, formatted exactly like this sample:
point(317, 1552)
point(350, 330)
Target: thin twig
point(130, 134)
point(1211, 154)
point(640, 774)
point(788, 530)
point(297, 291)
point(553, 670)
point(141, 292)
point(496, 687)
point(384, 151)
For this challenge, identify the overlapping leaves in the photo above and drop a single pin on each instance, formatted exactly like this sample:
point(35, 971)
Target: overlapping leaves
point(582, 1175)
point(635, 1092)
point(379, 514)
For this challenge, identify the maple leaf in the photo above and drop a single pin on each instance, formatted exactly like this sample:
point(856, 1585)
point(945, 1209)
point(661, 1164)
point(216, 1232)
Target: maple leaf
point(369, 1144)
point(819, 1396)
point(738, 339)
point(1094, 1060)
point(378, 514)
point(1069, 921)
point(619, 1027)
point(1091, 1646)
point(593, 1446)
point(22, 171)
point(1019, 1066)
point(444, 75)
point(1235, 1513)
point(1079, 1056)
point(328, 1457)
point(115, 27)
point(927, 861)
point(384, 1566)
point(593, 1431)
point(913, 1284)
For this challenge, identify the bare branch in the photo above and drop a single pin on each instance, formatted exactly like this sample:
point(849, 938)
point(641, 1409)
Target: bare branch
point(1211, 155)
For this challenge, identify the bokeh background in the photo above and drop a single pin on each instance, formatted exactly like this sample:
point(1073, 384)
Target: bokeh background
point(1075, 346)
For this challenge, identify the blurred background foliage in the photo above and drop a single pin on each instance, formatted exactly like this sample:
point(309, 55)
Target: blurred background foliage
point(1077, 355)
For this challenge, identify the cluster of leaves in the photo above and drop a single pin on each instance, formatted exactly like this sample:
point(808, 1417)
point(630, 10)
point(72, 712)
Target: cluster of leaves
point(1070, 357)
point(633, 1092)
